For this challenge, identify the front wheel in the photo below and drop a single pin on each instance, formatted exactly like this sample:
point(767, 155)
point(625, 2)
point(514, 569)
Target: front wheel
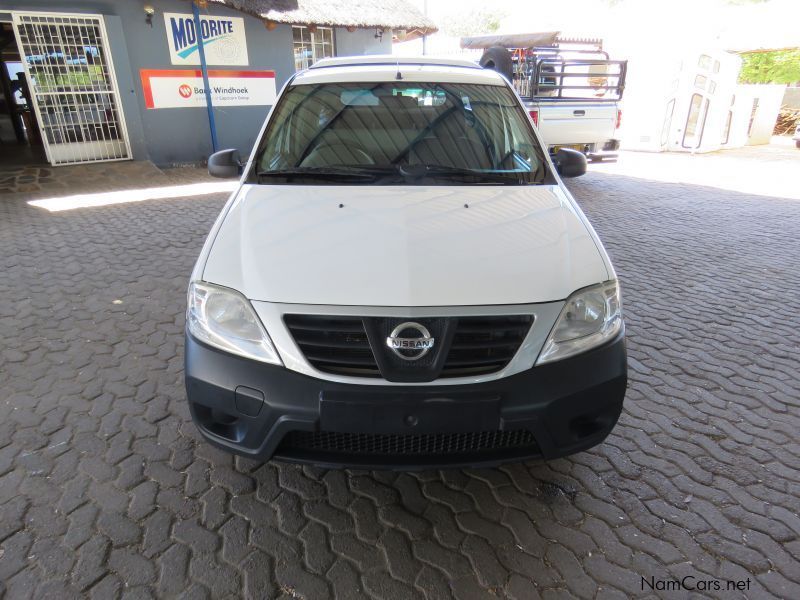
point(797, 143)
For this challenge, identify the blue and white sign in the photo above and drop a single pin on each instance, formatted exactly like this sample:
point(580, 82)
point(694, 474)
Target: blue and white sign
point(224, 40)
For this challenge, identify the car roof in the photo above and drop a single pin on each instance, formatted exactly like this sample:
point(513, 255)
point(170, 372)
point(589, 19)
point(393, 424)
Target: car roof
point(388, 59)
point(428, 69)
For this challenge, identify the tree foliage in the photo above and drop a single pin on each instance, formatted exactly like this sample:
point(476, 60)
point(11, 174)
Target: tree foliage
point(473, 22)
point(776, 66)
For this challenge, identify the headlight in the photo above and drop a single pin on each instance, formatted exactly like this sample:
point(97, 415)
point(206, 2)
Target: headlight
point(223, 318)
point(590, 317)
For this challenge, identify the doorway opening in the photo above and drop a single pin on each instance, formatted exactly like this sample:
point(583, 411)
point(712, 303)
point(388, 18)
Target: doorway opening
point(20, 141)
point(67, 103)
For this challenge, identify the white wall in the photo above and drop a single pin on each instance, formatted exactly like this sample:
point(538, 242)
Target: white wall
point(769, 103)
point(361, 42)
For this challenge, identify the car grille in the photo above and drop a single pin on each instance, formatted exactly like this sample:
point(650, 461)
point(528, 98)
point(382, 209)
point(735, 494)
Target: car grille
point(340, 344)
point(485, 344)
point(407, 444)
point(334, 344)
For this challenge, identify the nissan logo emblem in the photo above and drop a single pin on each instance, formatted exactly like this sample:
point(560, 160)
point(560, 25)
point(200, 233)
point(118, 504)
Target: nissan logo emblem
point(410, 348)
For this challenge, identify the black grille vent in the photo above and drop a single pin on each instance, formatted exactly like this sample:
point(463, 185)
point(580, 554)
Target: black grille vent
point(485, 344)
point(339, 344)
point(334, 344)
point(407, 444)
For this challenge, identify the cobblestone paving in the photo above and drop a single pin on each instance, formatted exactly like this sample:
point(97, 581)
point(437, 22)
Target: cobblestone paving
point(47, 180)
point(106, 489)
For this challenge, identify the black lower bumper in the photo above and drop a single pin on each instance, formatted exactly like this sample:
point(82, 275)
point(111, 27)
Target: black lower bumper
point(265, 411)
point(609, 150)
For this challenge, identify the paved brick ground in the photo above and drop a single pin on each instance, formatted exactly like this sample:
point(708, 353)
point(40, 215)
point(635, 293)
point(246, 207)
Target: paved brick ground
point(47, 180)
point(106, 489)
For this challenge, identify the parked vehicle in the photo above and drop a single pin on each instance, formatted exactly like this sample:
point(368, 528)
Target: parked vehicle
point(401, 280)
point(570, 87)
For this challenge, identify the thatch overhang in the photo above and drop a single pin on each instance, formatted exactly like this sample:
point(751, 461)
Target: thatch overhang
point(400, 16)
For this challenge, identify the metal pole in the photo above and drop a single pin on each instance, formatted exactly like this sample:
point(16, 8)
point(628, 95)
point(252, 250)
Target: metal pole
point(424, 37)
point(198, 32)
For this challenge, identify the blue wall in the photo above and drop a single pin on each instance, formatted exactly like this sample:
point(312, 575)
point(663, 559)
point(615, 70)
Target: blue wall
point(170, 136)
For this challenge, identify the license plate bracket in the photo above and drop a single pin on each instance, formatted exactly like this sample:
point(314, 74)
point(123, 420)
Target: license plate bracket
point(389, 414)
point(578, 147)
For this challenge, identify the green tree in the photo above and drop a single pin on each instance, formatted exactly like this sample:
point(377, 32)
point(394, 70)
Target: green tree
point(775, 66)
point(474, 22)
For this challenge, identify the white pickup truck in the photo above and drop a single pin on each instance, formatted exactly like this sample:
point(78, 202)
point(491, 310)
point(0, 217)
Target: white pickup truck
point(570, 87)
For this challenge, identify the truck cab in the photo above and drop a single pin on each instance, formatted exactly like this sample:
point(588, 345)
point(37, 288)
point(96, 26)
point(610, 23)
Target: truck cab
point(570, 87)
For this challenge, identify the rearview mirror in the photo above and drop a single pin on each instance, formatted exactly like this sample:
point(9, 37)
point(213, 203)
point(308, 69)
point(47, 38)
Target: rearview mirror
point(570, 163)
point(225, 163)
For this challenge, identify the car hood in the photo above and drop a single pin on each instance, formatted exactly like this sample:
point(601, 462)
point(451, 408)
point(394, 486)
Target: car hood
point(404, 245)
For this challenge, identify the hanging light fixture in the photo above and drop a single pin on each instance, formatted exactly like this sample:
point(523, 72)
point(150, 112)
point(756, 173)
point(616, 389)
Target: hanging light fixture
point(149, 11)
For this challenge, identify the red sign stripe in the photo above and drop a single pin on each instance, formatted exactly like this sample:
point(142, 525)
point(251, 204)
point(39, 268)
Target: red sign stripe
point(147, 74)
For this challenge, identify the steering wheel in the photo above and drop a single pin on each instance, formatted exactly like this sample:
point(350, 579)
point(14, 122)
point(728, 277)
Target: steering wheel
point(336, 153)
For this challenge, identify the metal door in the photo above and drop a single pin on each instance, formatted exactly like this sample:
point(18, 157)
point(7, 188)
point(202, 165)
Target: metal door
point(71, 78)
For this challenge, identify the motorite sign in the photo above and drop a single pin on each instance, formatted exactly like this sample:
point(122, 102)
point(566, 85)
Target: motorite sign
point(224, 41)
point(183, 88)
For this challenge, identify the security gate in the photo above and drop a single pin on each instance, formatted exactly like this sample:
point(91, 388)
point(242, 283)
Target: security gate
point(71, 78)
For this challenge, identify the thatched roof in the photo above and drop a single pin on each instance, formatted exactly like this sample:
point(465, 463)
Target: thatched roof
point(383, 14)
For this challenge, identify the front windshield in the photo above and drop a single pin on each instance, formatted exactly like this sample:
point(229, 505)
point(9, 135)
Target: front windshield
point(392, 133)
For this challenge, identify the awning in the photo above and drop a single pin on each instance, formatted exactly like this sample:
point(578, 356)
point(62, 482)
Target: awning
point(516, 40)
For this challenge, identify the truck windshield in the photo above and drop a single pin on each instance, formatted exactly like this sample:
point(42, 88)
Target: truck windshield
point(397, 133)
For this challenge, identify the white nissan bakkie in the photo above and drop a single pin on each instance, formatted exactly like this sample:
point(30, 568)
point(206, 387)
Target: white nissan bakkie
point(401, 280)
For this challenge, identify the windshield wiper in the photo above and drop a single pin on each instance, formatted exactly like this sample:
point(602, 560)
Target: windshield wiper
point(374, 173)
point(321, 173)
point(419, 171)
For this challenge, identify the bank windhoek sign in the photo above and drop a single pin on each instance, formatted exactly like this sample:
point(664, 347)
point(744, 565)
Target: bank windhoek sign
point(224, 40)
point(183, 88)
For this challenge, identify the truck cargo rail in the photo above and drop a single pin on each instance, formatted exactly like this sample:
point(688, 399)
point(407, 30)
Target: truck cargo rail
point(558, 78)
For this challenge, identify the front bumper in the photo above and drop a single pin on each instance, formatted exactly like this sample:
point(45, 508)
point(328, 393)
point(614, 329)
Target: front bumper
point(264, 411)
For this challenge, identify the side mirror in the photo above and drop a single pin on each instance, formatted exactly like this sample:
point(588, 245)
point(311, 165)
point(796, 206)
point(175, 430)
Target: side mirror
point(225, 163)
point(570, 163)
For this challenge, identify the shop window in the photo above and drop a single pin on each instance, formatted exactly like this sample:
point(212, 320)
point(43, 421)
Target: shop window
point(698, 109)
point(700, 82)
point(753, 112)
point(665, 127)
point(726, 133)
point(311, 46)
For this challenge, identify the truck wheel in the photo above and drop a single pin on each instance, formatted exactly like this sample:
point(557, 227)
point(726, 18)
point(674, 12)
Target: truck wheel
point(797, 143)
point(498, 59)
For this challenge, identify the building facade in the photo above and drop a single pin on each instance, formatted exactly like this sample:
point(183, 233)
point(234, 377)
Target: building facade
point(93, 80)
